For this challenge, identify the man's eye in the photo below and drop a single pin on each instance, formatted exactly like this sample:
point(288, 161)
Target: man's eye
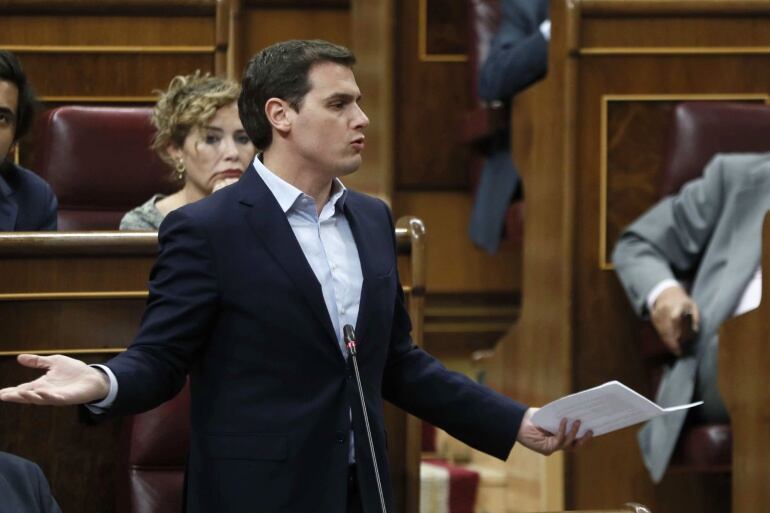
point(5, 119)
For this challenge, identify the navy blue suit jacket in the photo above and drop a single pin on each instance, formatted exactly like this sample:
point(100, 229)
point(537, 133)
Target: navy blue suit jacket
point(518, 54)
point(27, 202)
point(234, 302)
point(23, 487)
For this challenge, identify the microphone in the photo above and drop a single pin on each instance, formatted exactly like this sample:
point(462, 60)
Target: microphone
point(350, 342)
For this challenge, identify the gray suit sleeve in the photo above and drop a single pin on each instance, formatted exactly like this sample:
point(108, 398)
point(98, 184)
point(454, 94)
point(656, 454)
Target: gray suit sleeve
point(670, 237)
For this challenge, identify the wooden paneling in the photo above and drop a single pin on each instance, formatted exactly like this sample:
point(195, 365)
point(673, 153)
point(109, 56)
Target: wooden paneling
point(430, 98)
point(454, 265)
point(110, 7)
point(264, 27)
point(743, 363)
point(108, 75)
point(78, 54)
point(299, 4)
point(104, 31)
point(445, 26)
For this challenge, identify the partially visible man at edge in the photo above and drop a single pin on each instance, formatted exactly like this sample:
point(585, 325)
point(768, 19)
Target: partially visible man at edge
point(250, 293)
point(27, 202)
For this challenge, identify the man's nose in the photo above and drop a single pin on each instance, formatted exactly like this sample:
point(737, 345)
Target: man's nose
point(362, 120)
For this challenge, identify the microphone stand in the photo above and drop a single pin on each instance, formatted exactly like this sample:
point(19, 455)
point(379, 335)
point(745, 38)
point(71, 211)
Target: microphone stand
point(350, 343)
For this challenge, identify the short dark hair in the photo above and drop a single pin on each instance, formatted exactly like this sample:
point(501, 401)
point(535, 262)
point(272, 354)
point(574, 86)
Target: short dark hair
point(281, 71)
point(11, 71)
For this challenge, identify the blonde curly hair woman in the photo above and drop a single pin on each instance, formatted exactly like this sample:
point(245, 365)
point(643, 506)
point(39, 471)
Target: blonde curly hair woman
point(200, 135)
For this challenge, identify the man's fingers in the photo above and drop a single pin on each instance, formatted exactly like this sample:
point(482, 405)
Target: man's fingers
point(34, 361)
point(695, 317)
point(580, 442)
point(572, 434)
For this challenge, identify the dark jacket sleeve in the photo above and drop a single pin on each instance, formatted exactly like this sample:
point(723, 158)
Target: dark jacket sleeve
point(183, 301)
point(23, 487)
point(518, 57)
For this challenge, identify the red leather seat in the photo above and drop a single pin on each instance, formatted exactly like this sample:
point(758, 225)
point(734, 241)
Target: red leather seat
point(155, 445)
point(99, 163)
point(699, 130)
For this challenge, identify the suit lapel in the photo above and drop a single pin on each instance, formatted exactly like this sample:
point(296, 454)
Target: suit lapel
point(8, 207)
point(269, 223)
point(365, 231)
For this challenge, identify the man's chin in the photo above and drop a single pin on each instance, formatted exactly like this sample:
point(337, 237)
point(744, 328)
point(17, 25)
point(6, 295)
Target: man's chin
point(350, 167)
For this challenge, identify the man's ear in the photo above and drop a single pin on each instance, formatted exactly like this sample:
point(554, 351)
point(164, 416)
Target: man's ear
point(279, 114)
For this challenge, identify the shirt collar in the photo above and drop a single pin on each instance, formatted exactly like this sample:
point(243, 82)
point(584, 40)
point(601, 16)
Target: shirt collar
point(287, 195)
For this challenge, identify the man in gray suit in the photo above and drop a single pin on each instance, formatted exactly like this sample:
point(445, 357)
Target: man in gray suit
point(710, 230)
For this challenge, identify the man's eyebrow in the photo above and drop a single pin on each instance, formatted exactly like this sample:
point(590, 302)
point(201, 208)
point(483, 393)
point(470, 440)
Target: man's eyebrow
point(343, 96)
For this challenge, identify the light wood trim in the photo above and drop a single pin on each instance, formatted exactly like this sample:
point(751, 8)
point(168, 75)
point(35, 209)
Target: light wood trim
point(78, 243)
point(221, 37)
point(673, 50)
point(99, 99)
point(111, 7)
point(116, 49)
point(234, 38)
point(56, 296)
point(48, 352)
point(605, 265)
point(467, 327)
point(671, 7)
point(422, 41)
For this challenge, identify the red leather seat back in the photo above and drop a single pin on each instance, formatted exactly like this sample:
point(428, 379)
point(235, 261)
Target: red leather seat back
point(155, 445)
point(700, 130)
point(99, 163)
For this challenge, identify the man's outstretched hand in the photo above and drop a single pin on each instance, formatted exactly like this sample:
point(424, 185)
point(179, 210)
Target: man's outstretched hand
point(66, 381)
point(540, 440)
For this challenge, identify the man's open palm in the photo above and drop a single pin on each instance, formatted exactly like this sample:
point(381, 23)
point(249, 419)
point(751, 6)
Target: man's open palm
point(66, 381)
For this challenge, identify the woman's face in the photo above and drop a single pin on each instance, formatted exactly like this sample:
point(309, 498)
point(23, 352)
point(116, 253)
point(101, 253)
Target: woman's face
point(215, 154)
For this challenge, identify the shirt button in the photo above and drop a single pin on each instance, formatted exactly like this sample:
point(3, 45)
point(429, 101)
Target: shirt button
point(343, 311)
point(340, 437)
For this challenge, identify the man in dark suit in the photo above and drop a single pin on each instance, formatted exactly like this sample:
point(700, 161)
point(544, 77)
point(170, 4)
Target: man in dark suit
point(249, 295)
point(517, 58)
point(23, 487)
point(27, 203)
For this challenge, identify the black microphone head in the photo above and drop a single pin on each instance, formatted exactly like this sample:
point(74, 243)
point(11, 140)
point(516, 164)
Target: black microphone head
point(348, 333)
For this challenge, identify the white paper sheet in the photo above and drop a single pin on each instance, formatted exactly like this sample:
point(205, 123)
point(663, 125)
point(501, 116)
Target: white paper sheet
point(602, 409)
